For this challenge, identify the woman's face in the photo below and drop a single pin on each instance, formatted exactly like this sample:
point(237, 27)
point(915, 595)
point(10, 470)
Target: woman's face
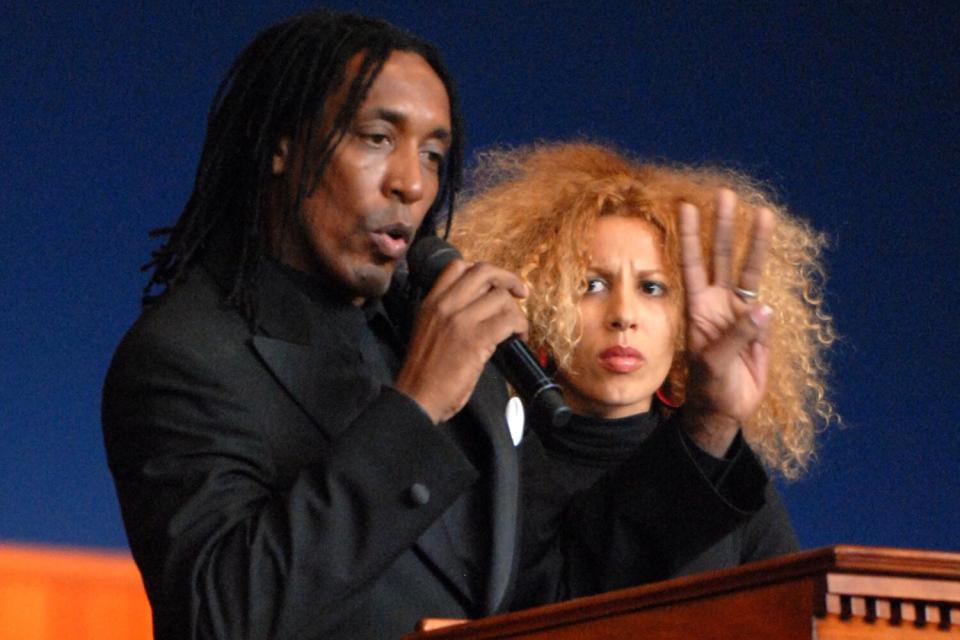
point(627, 323)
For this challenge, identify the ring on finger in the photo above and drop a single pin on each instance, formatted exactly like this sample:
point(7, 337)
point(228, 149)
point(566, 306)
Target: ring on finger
point(746, 294)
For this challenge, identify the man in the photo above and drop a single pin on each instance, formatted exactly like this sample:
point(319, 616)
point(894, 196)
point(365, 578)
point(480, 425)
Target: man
point(286, 467)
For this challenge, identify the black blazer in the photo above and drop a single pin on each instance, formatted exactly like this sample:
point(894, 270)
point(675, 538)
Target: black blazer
point(271, 488)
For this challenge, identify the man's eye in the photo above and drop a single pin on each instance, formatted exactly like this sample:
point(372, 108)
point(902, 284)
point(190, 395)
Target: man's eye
point(376, 139)
point(435, 158)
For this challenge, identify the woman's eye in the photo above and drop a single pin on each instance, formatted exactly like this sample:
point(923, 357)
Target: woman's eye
point(595, 285)
point(654, 288)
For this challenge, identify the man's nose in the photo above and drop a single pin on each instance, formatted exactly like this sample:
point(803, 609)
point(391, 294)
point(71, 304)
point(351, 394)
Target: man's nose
point(404, 180)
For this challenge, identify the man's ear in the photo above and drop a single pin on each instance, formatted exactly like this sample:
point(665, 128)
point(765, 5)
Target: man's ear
point(281, 155)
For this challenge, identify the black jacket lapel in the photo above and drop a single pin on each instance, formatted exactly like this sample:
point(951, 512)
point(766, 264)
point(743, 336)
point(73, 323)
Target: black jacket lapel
point(488, 407)
point(326, 377)
point(329, 386)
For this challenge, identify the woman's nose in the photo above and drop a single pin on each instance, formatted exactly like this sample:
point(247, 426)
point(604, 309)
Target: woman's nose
point(621, 312)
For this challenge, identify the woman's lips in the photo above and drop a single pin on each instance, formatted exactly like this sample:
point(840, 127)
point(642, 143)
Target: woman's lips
point(621, 359)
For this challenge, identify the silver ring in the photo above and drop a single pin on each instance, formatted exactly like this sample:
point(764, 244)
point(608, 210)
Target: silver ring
point(745, 294)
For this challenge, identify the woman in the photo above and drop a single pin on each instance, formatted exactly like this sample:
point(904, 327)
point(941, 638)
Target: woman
point(622, 309)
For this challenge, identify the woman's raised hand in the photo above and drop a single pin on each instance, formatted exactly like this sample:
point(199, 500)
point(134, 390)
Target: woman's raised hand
point(726, 326)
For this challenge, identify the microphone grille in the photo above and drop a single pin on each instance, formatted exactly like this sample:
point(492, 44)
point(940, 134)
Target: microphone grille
point(427, 258)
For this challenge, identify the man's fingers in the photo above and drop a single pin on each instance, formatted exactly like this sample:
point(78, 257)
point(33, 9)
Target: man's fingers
point(495, 312)
point(450, 274)
point(723, 238)
point(462, 283)
point(691, 254)
point(763, 226)
point(468, 312)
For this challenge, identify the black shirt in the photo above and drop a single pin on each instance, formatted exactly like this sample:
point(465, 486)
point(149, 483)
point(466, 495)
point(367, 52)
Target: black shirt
point(562, 466)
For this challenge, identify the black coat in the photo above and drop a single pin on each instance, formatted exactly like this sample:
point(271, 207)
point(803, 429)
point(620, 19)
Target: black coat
point(272, 488)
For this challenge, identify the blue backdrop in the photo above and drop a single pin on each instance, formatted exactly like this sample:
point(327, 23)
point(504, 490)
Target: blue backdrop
point(851, 110)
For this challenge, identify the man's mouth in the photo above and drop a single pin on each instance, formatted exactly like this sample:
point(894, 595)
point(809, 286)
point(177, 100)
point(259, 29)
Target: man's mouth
point(392, 241)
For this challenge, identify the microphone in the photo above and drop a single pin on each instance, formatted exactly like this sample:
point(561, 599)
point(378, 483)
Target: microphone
point(540, 394)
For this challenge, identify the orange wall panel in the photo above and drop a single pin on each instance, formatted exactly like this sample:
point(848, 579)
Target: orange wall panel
point(49, 593)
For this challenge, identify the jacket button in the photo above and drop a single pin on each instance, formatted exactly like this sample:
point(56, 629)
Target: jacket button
point(418, 494)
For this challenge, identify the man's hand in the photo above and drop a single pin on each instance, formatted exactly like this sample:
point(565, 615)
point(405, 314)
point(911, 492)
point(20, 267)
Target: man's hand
point(469, 311)
point(726, 327)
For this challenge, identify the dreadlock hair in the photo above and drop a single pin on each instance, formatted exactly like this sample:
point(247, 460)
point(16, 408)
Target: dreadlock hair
point(278, 88)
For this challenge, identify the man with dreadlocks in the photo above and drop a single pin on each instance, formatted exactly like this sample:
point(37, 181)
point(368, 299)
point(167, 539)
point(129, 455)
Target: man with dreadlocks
point(286, 442)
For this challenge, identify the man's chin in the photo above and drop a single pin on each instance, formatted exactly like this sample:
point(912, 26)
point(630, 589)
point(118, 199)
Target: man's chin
point(372, 281)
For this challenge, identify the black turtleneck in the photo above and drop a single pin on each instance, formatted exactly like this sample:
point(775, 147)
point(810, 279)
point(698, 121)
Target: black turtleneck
point(588, 461)
point(588, 446)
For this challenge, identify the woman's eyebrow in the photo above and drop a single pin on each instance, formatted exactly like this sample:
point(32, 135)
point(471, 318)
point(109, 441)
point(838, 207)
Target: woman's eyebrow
point(606, 272)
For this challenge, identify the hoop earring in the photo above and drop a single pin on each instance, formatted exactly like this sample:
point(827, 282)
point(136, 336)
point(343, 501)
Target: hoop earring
point(666, 401)
point(543, 357)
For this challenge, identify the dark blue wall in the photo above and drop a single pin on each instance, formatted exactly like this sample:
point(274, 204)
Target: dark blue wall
point(850, 110)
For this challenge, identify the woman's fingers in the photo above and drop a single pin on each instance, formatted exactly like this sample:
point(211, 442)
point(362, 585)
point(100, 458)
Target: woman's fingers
point(695, 271)
point(723, 238)
point(691, 255)
point(763, 226)
point(751, 326)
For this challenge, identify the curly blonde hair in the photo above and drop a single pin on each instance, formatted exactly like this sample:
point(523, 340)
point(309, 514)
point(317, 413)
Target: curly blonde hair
point(532, 210)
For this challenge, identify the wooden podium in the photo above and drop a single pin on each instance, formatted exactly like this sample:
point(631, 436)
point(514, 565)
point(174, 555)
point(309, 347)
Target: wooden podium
point(841, 592)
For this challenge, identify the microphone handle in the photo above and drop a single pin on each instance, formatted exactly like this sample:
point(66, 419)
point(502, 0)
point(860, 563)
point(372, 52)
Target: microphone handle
point(546, 403)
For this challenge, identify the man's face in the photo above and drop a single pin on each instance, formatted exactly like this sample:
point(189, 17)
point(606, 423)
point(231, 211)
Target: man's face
point(380, 182)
